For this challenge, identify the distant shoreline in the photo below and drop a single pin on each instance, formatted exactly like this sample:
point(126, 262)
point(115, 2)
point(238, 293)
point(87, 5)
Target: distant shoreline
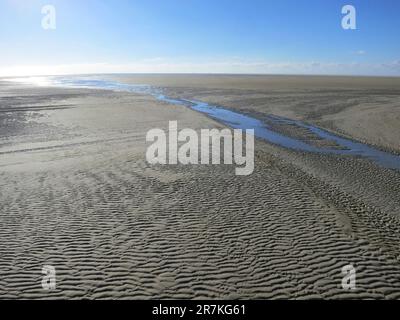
point(207, 74)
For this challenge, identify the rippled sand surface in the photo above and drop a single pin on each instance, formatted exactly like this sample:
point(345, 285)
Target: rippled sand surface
point(77, 193)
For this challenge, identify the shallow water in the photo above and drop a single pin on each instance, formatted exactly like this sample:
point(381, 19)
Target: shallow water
point(237, 120)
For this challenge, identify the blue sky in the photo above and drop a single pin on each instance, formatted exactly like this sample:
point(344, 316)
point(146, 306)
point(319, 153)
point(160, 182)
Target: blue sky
point(232, 36)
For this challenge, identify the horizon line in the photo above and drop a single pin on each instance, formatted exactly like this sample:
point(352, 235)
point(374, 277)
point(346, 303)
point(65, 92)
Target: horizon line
point(204, 74)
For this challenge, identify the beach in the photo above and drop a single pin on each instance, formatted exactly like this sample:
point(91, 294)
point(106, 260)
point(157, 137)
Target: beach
point(78, 194)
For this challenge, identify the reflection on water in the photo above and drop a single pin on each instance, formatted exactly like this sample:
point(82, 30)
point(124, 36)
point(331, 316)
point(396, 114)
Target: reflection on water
point(237, 120)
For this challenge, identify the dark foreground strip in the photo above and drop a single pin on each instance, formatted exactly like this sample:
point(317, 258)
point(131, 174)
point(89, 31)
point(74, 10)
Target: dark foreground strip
point(201, 309)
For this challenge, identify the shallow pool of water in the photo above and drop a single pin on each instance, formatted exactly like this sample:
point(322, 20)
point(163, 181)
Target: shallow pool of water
point(240, 121)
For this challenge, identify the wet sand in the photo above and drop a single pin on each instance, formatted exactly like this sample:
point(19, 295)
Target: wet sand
point(365, 108)
point(78, 194)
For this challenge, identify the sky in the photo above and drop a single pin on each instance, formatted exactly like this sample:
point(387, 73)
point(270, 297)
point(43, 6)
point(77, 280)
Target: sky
point(199, 36)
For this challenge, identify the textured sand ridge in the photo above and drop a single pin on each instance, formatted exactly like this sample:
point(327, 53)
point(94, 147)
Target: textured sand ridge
point(77, 193)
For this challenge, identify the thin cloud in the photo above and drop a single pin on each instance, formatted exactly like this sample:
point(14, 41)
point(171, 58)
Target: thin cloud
point(360, 52)
point(162, 65)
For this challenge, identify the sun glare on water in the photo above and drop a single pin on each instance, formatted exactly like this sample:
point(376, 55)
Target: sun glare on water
point(38, 81)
